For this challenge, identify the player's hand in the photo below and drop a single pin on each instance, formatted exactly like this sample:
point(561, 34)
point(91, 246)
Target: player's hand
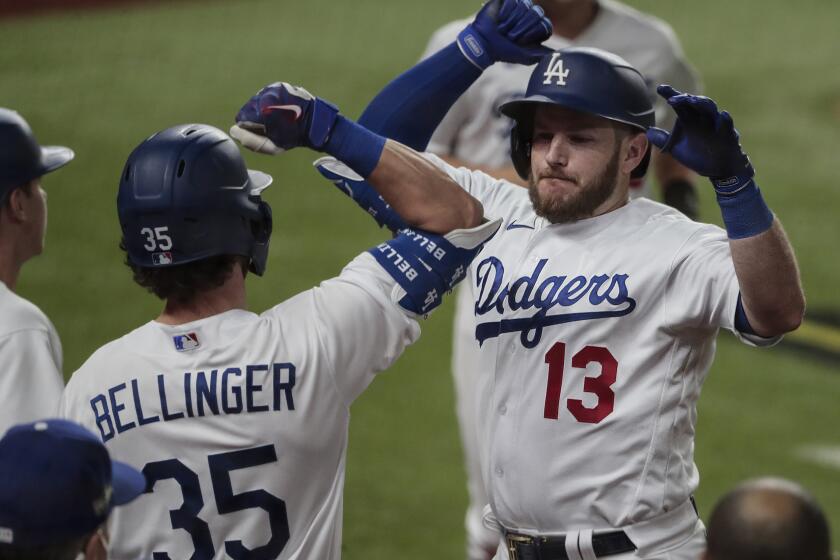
point(506, 31)
point(351, 183)
point(704, 139)
point(281, 117)
point(426, 265)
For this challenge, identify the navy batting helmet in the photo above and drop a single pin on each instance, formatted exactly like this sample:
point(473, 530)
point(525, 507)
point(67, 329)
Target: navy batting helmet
point(583, 79)
point(21, 158)
point(186, 195)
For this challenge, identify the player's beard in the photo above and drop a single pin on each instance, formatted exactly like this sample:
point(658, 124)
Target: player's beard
point(580, 204)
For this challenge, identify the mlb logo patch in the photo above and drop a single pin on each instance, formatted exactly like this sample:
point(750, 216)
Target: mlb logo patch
point(186, 342)
point(161, 258)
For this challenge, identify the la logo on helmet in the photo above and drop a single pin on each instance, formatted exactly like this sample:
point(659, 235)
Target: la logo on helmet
point(555, 70)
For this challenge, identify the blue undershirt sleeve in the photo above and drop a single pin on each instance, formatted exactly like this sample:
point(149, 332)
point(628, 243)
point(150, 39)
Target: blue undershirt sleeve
point(411, 107)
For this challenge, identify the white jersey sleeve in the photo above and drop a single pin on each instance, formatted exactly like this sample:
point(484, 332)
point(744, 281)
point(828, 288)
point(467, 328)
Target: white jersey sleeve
point(363, 331)
point(30, 362)
point(703, 290)
point(498, 197)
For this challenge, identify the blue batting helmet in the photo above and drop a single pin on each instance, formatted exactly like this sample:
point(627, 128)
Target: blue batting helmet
point(186, 195)
point(21, 158)
point(583, 79)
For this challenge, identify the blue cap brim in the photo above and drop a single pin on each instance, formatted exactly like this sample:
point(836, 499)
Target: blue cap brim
point(127, 482)
point(53, 157)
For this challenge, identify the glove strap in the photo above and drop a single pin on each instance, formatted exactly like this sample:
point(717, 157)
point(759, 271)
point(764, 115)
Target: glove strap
point(472, 47)
point(358, 147)
point(745, 214)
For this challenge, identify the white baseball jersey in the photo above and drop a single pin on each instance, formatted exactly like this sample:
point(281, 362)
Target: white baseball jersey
point(240, 421)
point(30, 362)
point(595, 339)
point(475, 131)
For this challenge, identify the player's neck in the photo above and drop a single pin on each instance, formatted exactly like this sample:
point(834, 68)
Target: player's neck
point(228, 296)
point(619, 197)
point(571, 19)
point(10, 265)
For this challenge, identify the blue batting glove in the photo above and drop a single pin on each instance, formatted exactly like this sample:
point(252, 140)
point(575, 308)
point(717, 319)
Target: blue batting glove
point(351, 183)
point(506, 31)
point(705, 140)
point(426, 266)
point(281, 117)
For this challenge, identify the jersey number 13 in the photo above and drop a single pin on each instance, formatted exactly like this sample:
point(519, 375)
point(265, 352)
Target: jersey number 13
point(598, 386)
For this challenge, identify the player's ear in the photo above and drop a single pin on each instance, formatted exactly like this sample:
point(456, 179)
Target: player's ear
point(15, 206)
point(634, 150)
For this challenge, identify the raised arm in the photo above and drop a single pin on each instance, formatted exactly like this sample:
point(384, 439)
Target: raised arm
point(282, 116)
point(411, 106)
point(705, 140)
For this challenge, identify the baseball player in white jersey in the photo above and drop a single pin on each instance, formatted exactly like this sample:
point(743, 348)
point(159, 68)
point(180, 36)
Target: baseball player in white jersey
point(596, 315)
point(239, 421)
point(475, 134)
point(30, 350)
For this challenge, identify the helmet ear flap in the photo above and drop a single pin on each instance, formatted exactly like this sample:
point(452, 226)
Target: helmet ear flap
point(261, 230)
point(520, 150)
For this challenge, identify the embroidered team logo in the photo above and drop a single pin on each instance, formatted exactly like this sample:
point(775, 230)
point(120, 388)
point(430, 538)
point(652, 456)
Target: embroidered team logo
point(186, 342)
point(555, 70)
point(160, 259)
point(555, 300)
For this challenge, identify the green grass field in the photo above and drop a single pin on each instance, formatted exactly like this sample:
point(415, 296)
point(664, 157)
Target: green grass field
point(101, 81)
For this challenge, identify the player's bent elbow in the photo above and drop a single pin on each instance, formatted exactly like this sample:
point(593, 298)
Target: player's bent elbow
point(780, 322)
point(473, 213)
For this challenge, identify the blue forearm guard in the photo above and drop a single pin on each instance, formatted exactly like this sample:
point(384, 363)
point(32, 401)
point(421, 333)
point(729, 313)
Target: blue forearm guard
point(426, 266)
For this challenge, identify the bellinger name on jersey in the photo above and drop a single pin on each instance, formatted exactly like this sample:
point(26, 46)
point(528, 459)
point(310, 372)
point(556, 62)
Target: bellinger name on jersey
point(607, 297)
point(229, 390)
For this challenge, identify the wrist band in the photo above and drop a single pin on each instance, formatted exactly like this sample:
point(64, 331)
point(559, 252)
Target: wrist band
point(354, 145)
point(745, 214)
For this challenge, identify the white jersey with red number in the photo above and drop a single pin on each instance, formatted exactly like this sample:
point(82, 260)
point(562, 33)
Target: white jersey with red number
point(30, 362)
point(475, 131)
point(595, 338)
point(240, 420)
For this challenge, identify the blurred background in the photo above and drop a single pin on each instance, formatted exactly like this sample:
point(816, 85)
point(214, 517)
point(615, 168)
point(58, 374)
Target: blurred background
point(102, 77)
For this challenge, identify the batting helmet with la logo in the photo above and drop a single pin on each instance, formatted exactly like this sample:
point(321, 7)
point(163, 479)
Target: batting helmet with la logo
point(583, 79)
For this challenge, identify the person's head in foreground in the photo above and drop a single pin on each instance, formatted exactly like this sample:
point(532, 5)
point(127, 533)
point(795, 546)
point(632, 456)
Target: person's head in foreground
point(768, 519)
point(57, 488)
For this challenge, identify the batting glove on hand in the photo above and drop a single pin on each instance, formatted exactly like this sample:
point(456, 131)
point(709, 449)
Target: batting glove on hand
point(506, 31)
point(705, 140)
point(353, 185)
point(426, 266)
point(281, 117)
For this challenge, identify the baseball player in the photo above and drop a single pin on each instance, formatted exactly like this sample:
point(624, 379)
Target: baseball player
point(57, 487)
point(476, 135)
point(30, 350)
point(596, 316)
point(239, 421)
point(768, 519)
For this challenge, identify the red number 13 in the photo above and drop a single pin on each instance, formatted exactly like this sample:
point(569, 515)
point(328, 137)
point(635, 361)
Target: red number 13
point(599, 386)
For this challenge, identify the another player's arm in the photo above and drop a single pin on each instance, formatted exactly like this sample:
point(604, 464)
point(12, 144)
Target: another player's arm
point(677, 184)
point(705, 140)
